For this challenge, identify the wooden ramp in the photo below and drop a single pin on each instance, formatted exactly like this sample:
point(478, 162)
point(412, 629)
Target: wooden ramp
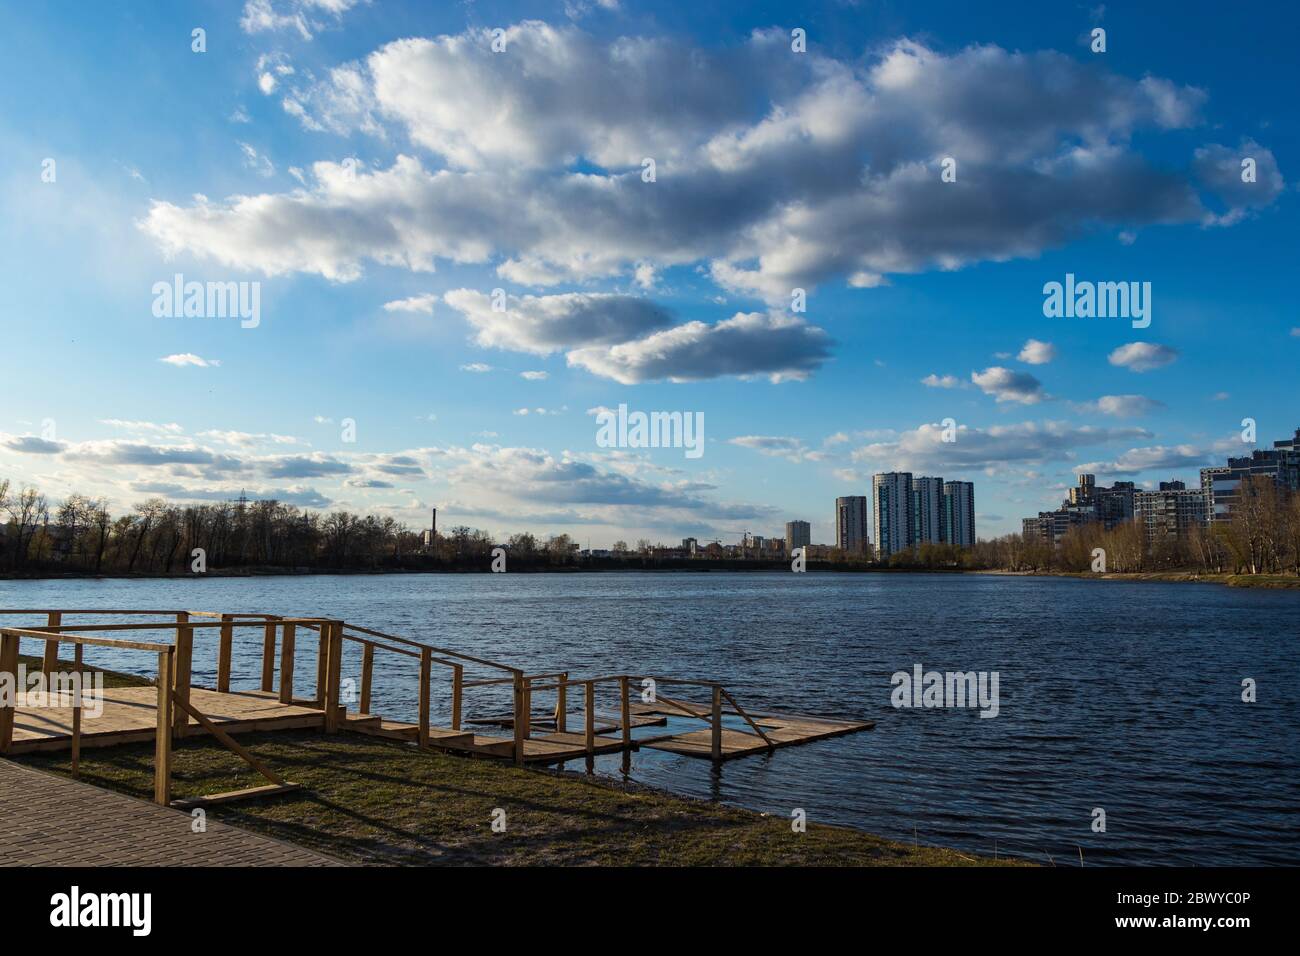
point(130, 715)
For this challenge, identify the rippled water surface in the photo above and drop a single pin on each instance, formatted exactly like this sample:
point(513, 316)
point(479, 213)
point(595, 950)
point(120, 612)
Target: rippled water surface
point(1120, 696)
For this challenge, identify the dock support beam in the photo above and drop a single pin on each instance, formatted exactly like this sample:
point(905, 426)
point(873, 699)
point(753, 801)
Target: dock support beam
point(717, 723)
point(333, 632)
point(8, 709)
point(426, 673)
point(520, 717)
point(625, 712)
point(286, 663)
point(268, 657)
point(224, 648)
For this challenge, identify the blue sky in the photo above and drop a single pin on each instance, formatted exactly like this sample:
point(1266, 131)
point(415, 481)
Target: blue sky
point(350, 155)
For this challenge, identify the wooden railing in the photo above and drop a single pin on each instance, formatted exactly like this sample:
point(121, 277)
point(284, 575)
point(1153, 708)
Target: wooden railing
point(174, 674)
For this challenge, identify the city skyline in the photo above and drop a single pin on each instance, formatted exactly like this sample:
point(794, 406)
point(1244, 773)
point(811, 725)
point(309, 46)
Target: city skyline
point(301, 152)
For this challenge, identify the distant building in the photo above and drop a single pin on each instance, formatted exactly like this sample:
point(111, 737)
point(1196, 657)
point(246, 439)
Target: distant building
point(892, 501)
point(959, 513)
point(1221, 485)
point(851, 524)
point(1171, 512)
point(429, 538)
point(691, 546)
point(798, 534)
point(927, 510)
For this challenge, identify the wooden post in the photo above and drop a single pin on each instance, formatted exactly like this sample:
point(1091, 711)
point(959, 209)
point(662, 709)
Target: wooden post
point(367, 671)
point(590, 687)
point(457, 691)
point(162, 756)
point(426, 668)
point(51, 662)
point(716, 736)
point(181, 664)
point(625, 711)
point(528, 707)
point(223, 654)
point(562, 705)
point(519, 717)
point(268, 657)
point(322, 663)
point(286, 663)
point(333, 673)
point(76, 710)
point(8, 665)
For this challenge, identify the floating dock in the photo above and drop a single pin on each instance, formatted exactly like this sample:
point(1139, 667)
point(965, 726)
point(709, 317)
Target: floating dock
point(174, 707)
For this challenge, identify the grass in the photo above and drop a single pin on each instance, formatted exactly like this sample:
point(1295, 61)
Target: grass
point(111, 678)
point(373, 801)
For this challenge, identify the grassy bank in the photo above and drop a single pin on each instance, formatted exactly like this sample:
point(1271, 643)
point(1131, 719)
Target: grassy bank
point(373, 801)
point(1230, 580)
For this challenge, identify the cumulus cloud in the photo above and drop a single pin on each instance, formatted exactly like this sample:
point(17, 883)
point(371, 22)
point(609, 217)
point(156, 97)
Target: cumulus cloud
point(302, 16)
point(941, 381)
point(416, 303)
point(32, 444)
point(1221, 171)
point(1008, 386)
point(1035, 352)
point(760, 160)
point(923, 449)
point(1151, 458)
point(1143, 356)
point(776, 446)
point(545, 324)
point(1121, 406)
point(781, 347)
point(182, 359)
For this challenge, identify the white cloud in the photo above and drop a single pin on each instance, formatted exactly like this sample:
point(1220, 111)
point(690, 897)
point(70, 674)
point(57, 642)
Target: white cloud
point(1121, 406)
point(545, 324)
point(182, 359)
point(1008, 386)
point(477, 367)
point(1035, 352)
point(760, 158)
point(1143, 356)
point(535, 376)
point(941, 381)
point(775, 446)
point(781, 347)
point(416, 303)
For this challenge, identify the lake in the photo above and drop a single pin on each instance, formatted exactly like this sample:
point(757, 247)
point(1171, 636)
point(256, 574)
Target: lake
point(1124, 697)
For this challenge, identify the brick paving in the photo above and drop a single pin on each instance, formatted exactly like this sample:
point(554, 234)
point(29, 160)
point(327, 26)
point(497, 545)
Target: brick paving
point(47, 820)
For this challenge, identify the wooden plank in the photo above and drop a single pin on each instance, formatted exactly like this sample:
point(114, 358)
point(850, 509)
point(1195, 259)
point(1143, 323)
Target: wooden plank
point(162, 757)
point(287, 651)
point(224, 648)
point(322, 663)
point(250, 793)
point(521, 718)
point(562, 704)
point(333, 675)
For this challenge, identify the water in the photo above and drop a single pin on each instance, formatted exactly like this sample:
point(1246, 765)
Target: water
point(1119, 696)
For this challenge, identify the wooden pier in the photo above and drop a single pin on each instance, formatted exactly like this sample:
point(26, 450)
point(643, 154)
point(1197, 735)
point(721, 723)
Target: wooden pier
point(578, 727)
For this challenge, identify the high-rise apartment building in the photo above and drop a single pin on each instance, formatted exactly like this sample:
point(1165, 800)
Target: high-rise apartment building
point(892, 501)
point(1221, 485)
point(959, 513)
point(1171, 512)
point(927, 510)
point(798, 534)
point(851, 524)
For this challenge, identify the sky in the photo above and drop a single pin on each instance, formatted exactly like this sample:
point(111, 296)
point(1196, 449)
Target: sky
point(462, 253)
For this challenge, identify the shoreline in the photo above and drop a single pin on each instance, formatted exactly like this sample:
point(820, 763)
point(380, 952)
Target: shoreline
point(1226, 579)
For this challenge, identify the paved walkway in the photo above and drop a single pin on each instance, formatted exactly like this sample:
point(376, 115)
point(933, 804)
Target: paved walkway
point(46, 820)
